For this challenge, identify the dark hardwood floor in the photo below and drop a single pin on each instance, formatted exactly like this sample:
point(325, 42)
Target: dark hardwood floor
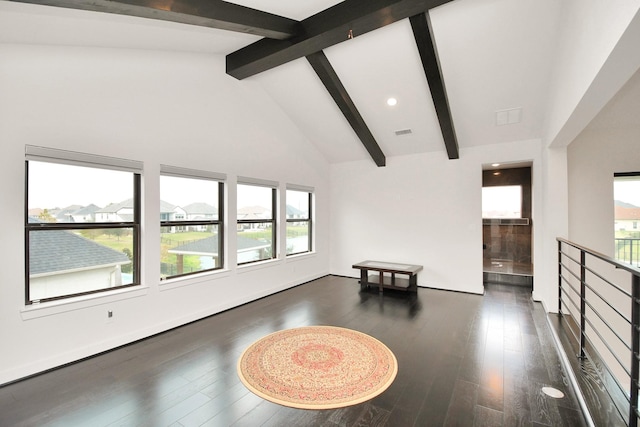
point(464, 360)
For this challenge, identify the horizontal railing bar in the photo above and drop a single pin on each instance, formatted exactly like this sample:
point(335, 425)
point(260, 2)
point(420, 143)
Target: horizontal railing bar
point(606, 344)
point(607, 325)
point(574, 305)
point(623, 391)
point(588, 286)
point(607, 302)
point(606, 389)
point(573, 274)
point(566, 255)
point(608, 282)
point(575, 291)
point(633, 270)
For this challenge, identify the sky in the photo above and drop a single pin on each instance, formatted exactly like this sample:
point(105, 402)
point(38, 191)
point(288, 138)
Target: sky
point(627, 191)
point(53, 185)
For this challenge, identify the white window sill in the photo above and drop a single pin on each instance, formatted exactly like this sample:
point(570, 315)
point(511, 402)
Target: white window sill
point(298, 257)
point(244, 268)
point(50, 308)
point(192, 279)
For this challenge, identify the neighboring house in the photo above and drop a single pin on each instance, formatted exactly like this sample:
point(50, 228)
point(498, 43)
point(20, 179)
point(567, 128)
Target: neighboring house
point(248, 250)
point(169, 212)
point(116, 212)
point(63, 263)
point(253, 212)
point(200, 211)
point(64, 214)
point(35, 212)
point(197, 211)
point(85, 214)
point(627, 217)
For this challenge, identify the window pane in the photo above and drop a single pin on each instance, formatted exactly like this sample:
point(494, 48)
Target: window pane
point(297, 204)
point(297, 237)
point(254, 202)
point(63, 262)
point(502, 201)
point(63, 193)
point(626, 194)
point(191, 249)
point(188, 199)
point(256, 244)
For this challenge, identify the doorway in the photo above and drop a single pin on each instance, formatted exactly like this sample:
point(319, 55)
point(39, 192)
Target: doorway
point(507, 225)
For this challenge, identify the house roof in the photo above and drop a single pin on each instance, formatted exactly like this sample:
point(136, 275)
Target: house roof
point(87, 210)
point(200, 208)
point(627, 213)
point(253, 212)
point(166, 207)
point(57, 251)
point(64, 214)
point(115, 207)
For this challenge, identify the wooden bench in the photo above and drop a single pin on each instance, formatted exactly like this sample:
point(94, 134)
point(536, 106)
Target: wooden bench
point(382, 281)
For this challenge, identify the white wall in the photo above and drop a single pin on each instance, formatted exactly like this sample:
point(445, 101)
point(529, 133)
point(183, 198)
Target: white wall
point(157, 107)
point(596, 53)
point(425, 209)
point(608, 145)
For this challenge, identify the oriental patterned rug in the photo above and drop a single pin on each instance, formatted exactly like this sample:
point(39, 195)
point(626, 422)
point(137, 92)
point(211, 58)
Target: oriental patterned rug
point(317, 367)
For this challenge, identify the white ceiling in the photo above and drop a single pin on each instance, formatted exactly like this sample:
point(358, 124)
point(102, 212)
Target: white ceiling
point(495, 55)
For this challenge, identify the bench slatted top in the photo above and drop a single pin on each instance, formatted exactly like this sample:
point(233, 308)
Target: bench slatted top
point(388, 267)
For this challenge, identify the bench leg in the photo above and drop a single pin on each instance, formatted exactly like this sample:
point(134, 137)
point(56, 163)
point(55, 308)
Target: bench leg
point(413, 283)
point(363, 279)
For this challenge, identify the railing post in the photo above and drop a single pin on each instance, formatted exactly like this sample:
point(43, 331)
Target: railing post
point(635, 347)
point(583, 305)
point(560, 278)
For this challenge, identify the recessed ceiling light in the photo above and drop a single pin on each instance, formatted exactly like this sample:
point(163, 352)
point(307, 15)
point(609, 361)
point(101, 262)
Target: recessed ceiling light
point(495, 165)
point(496, 173)
point(391, 102)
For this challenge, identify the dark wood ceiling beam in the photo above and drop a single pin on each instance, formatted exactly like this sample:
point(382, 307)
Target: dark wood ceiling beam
point(423, 34)
point(329, 78)
point(325, 29)
point(206, 13)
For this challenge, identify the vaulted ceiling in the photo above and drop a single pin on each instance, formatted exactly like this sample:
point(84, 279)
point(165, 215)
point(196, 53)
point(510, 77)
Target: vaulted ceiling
point(455, 67)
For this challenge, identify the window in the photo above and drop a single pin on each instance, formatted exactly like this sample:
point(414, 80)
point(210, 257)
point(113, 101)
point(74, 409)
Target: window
point(502, 201)
point(82, 224)
point(191, 221)
point(626, 195)
point(256, 220)
point(298, 221)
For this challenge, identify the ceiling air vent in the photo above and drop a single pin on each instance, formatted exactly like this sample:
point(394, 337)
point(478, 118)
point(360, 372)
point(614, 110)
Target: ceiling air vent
point(403, 132)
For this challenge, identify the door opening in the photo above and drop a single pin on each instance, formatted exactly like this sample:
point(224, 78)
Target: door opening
point(507, 226)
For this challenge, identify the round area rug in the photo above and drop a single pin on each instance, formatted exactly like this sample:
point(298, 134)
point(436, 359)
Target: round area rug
point(317, 367)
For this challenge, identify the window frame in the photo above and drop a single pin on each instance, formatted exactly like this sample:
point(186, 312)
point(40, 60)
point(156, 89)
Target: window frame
point(308, 220)
point(171, 171)
point(47, 155)
point(633, 244)
point(274, 204)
